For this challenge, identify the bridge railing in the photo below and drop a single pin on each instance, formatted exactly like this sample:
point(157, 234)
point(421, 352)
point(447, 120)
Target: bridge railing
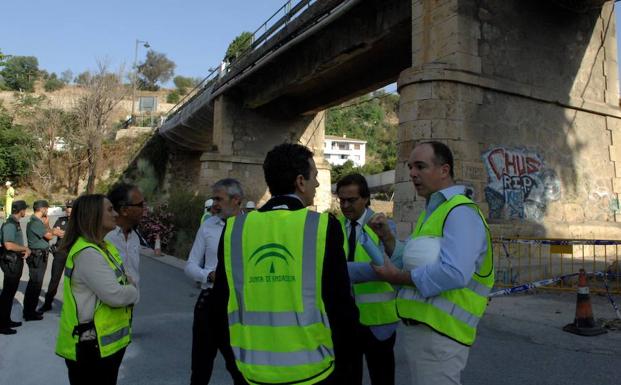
point(518, 261)
point(278, 20)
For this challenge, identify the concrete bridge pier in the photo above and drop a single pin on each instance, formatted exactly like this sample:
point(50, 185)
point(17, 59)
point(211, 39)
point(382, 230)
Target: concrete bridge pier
point(526, 94)
point(243, 136)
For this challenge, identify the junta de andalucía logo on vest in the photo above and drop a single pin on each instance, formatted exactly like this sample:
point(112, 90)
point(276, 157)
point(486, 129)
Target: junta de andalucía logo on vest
point(269, 256)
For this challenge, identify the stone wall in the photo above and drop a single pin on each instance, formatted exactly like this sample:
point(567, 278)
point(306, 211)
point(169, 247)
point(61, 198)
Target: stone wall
point(242, 138)
point(526, 95)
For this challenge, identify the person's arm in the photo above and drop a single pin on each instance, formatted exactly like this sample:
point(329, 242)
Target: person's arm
point(463, 245)
point(336, 294)
point(194, 267)
point(97, 275)
point(10, 243)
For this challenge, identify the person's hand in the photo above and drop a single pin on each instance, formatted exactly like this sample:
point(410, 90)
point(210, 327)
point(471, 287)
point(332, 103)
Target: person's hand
point(27, 253)
point(131, 280)
point(390, 273)
point(58, 232)
point(379, 224)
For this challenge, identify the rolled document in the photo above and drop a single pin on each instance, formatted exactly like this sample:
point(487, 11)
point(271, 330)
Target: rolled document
point(376, 254)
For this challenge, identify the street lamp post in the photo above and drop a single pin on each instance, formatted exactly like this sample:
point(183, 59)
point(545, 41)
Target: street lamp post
point(146, 45)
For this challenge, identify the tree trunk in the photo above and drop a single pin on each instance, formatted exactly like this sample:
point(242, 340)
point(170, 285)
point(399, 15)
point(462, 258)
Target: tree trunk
point(93, 163)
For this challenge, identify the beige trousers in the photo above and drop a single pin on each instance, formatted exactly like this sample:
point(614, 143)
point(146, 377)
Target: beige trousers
point(433, 359)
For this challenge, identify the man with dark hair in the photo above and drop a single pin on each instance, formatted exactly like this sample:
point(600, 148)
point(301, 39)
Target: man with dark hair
point(291, 316)
point(39, 234)
point(12, 258)
point(128, 202)
point(447, 270)
point(375, 300)
point(227, 195)
point(60, 257)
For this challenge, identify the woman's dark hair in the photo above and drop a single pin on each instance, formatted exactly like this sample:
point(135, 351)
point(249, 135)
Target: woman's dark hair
point(282, 166)
point(85, 221)
point(358, 180)
point(442, 154)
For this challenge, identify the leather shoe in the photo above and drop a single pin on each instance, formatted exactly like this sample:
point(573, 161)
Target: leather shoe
point(7, 331)
point(33, 317)
point(13, 324)
point(46, 307)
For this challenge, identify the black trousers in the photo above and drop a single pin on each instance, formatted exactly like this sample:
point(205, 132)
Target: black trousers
point(90, 368)
point(58, 267)
point(206, 341)
point(379, 355)
point(37, 262)
point(12, 270)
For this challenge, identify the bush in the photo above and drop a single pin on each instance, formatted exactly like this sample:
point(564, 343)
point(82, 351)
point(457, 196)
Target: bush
point(173, 97)
point(158, 221)
point(53, 84)
point(187, 210)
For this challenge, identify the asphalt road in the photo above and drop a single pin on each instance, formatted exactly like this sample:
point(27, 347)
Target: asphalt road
point(520, 341)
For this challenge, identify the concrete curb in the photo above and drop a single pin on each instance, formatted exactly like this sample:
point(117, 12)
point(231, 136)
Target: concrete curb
point(163, 258)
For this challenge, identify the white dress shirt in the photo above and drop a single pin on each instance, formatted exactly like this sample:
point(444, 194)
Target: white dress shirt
point(129, 249)
point(203, 258)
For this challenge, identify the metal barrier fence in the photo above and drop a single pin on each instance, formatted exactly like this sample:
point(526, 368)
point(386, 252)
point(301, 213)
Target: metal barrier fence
point(519, 261)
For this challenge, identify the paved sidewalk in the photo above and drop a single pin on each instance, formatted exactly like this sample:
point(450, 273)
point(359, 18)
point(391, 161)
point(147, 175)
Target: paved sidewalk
point(520, 339)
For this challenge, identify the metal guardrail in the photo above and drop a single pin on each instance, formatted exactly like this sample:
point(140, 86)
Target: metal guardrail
point(518, 261)
point(289, 10)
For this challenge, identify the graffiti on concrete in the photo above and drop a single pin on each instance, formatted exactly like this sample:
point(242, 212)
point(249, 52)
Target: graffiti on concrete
point(519, 184)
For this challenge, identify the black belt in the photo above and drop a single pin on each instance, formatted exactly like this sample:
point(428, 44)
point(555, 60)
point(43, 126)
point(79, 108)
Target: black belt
point(410, 322)
point(205, 292)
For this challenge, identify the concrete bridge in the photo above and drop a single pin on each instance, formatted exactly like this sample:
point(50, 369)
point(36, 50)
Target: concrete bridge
point(526, 93)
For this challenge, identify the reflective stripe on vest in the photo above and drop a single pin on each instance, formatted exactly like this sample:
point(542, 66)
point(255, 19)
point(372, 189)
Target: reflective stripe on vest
point(261, 357)
point(114, 337)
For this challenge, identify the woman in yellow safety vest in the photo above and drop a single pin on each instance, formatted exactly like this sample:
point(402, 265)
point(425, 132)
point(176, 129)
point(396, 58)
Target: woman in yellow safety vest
point(95, 321)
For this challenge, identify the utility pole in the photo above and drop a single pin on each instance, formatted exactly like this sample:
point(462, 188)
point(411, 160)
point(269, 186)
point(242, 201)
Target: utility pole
point(135, 75)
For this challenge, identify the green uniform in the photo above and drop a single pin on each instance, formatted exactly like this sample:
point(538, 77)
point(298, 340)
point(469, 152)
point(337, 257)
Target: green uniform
point(454, 313)
point(12, 231)
point(279, 330)
point(375, 300)
point(35, 232)
point(113, 325)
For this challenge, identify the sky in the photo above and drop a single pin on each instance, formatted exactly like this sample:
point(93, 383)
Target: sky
point(75, 35)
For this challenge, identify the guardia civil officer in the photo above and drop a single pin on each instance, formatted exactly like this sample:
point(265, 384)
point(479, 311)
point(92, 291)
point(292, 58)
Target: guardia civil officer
point(12, 256)
point(282, 278)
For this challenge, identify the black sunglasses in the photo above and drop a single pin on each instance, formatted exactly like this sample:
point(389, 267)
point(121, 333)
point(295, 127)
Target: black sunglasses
point(141, 204)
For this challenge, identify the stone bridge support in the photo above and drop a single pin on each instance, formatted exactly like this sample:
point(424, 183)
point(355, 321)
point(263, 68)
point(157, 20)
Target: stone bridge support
point(526, 94)
point(242, 137)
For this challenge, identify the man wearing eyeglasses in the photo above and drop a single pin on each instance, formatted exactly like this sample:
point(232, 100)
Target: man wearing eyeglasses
point(128, 202)
point(375, 300)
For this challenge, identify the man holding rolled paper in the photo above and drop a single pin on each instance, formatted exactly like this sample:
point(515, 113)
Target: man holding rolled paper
point(375, 300)
point(445, 269)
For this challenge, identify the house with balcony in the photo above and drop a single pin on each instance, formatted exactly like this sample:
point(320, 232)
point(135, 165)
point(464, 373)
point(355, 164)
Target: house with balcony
point(339, 149)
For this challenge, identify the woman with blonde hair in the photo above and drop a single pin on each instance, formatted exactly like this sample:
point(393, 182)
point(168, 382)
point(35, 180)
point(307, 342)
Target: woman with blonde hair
point(95, 321)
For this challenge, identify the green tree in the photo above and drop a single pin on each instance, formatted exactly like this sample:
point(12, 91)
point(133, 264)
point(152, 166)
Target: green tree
point(238, 46)
point(183, 83)
point(15, 148)
point(156, 68)
point(66, 76)
point(83, 79)
point(53, 83)
point(173, 97)
point(20, 72)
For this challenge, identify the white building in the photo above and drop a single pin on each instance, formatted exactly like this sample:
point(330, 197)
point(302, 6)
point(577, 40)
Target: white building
point(338, 150)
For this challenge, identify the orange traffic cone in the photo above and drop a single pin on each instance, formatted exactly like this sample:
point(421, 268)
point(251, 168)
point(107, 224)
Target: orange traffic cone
point(584, 324)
